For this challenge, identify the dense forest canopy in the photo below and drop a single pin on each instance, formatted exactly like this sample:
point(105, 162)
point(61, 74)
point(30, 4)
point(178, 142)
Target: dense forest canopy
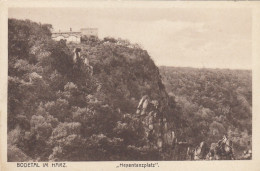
point(214, 102)
point(116, 107)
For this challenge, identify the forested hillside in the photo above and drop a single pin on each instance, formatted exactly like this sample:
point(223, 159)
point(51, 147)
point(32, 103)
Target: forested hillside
point(214, 102)
point(113, 103)
point(65, 110)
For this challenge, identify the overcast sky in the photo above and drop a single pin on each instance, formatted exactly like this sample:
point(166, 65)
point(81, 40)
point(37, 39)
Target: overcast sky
point(211, 38)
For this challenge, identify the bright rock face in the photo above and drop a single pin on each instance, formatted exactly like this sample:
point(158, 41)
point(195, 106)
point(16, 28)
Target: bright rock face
point(157, 128)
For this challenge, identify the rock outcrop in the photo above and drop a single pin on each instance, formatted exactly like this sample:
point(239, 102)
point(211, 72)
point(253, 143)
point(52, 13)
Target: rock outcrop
point(157, 129)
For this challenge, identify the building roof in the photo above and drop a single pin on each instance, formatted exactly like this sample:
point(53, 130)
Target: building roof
point(65, 34)
point(83, 31)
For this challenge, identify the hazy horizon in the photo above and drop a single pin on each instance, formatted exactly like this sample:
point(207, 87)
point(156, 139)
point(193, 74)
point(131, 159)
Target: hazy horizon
point(178, 37)
point(240, 69)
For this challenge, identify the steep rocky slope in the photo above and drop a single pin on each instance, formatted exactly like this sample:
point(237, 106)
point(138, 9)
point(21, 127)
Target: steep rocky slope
point(105, 103)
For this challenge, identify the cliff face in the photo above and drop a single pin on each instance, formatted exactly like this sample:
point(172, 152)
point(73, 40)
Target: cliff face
point(107, 102)
point(155, 122)
point(129, 79)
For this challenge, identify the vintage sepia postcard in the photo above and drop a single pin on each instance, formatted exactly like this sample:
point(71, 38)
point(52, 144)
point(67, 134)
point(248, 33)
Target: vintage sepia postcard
point(157, 85)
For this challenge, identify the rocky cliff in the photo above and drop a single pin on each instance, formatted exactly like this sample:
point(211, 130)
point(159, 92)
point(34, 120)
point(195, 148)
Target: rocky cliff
point(102, 100)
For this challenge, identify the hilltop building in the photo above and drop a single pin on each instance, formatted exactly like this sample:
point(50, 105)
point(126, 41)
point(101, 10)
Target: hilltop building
point(89, 32)
point(77, 37)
